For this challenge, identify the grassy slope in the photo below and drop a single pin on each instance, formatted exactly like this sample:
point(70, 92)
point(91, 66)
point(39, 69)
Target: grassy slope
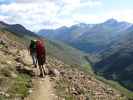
point(54, 48)
point(16, 86)
point(60, 50)
point(117, 86)
point(64, 52)
point(86, 67)
point(71, 56)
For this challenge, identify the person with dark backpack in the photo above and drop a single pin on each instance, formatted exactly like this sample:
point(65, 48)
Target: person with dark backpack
point(32, 49)
point(41, 56)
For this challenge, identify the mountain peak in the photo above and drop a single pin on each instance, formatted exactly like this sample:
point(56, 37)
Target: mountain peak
point(18, 26)
point(3, 24)
point(111, 21)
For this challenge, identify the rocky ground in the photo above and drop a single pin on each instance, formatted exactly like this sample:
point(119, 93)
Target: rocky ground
point(70, 83)
point(74, 84)
point(15, 74)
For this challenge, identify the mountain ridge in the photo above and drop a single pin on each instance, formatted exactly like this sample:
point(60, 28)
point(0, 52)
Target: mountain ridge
point(96, 35)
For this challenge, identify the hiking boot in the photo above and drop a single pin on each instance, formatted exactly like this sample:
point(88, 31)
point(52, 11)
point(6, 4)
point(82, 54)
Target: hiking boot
point(35, 66)
point(41, 75)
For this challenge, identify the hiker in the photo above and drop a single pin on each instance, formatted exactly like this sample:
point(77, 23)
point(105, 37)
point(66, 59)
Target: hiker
point(32, 49)
point(41, 56)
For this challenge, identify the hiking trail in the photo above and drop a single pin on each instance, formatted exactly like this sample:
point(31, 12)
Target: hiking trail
point(42, 87)
point(42, 90)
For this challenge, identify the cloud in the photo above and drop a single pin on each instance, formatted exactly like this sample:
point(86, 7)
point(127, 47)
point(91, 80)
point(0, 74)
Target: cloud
point(38, 14)
point(124, 14)
point(34, 1)
point(29, 14)
point(120, 15)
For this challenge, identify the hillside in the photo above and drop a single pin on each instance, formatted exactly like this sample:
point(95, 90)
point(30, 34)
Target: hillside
point(55, 48)
point(64, 52)
point(17, 74)
point(13, 84)
point(120, 68)
point(20, 83)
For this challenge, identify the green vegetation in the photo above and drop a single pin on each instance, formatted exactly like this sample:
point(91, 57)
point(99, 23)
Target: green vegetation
point(12, 83)
point(86, 67)
point(3, 98)
point(17, 86)
point(61, 89)
point(64, 52)
point(117, 86)
point(20, 86)
point(69, 98)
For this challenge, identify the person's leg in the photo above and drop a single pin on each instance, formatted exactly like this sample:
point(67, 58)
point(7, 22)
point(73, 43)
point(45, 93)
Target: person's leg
point(34, 60)
point(41, 71)
point(40, 67)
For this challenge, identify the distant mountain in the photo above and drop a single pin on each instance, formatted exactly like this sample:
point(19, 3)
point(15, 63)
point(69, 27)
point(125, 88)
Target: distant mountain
point(65, 33)
point(111, 40)
point(90, 38)
point(16, 29)
point(117, 61)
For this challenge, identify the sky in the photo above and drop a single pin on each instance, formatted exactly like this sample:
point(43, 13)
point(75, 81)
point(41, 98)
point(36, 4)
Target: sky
point(40, 14)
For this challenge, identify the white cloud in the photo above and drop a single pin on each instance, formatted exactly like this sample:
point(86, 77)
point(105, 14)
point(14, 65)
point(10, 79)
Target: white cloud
point(88, 18)
point(38, 14)
point(122, 15)
point(33, 1)
point(3, 18)
point(29, 14)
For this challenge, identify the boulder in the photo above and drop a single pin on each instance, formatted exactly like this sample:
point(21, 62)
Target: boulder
point(54, 72)
point(25, 70)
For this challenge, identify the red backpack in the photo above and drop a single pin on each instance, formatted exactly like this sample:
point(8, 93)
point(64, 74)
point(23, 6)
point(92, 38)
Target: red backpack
point(40, 48)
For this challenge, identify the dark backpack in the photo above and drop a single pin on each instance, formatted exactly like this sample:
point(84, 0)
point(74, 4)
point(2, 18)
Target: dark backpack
point(33, 46)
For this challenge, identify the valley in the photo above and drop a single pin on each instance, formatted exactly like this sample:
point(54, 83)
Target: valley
point(107, 46)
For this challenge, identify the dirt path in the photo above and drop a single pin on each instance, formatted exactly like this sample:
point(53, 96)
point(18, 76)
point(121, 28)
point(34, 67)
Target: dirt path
point(42, 87)
point(42, 90)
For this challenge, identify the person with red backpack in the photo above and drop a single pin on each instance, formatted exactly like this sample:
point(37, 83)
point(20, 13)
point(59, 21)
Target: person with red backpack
point(41, 56)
